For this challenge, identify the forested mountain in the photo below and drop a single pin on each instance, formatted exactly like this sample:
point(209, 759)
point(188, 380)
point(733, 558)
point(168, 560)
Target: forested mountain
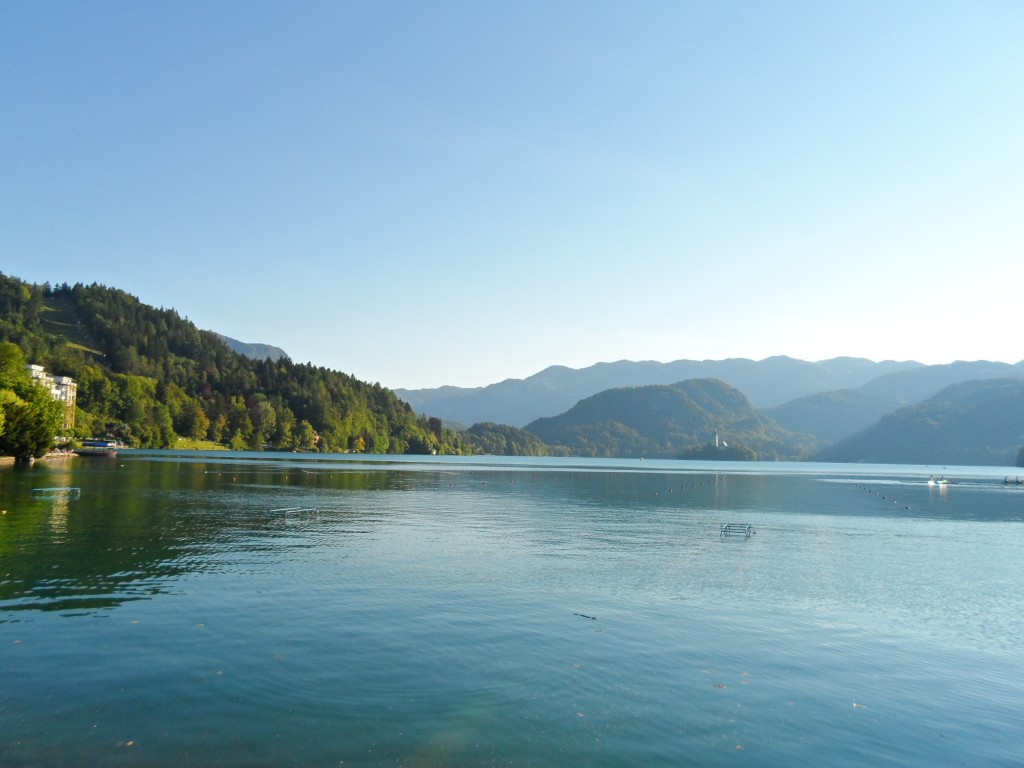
point(915, 385)
point(833, 416)
point(556, 389)
point(147, 376)
point(673, 421)
point(255, 351)
point(973, 422)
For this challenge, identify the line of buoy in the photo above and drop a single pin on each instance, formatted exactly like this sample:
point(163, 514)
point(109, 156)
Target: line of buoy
point(876, 493)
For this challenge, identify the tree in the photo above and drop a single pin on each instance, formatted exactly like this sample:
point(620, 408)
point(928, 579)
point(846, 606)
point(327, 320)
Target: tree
point(195, 421)
point(435, 426)
point(239, 423)
point(29, 416)
point(31, 421)
point(285, 424)
point(12, 365)
point(305, 436)
point(264, 422)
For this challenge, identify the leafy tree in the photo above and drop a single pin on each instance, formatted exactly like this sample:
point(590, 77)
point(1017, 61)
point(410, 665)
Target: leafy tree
point(305, 437)
point(31, 418)
point(264, 422)
point(238, 442)
point(195, 423)
point(12, 365)
point(284, 424)
point(435, 427)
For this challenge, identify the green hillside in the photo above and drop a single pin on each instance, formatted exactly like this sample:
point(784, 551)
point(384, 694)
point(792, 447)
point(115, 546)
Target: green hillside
point(832, 416)
point(147, 376)
point(673, 421)
point(971, 423)
point(503, 440)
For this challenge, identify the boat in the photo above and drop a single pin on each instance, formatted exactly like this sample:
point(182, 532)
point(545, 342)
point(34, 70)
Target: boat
point(940, 481)
point(102, 448)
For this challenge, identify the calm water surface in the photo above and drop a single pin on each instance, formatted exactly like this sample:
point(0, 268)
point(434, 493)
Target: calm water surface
point(446, 611)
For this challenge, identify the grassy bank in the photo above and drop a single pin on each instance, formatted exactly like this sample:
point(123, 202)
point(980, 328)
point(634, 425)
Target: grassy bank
point(185, 444)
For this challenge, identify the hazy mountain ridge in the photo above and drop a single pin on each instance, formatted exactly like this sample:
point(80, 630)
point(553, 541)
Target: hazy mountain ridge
point(767, 383)
point(914, 385)
point(972, 423)
point(833, 416)
point(254, 351)
point(829, 415)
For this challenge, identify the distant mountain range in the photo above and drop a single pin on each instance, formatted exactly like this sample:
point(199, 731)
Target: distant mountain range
point(833, 416)
point(767, 383)
point(977, 422)
point(853, 392)
point(254, 351)
point(969, 409)
point(971, 422)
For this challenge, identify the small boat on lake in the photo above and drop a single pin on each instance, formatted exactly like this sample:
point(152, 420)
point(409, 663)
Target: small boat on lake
point(102, 448)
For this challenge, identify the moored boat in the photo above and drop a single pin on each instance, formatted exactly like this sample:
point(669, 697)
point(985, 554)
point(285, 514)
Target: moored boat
point(107, 448)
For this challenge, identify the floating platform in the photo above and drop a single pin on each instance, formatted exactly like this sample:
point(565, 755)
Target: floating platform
point(737, 529)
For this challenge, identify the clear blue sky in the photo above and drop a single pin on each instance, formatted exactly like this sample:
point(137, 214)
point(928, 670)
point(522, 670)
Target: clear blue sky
point(457, 193)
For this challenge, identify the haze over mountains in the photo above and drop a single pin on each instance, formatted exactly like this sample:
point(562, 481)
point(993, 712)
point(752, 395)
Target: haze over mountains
point(254, 351)
point(766, 383)
point(847, 394)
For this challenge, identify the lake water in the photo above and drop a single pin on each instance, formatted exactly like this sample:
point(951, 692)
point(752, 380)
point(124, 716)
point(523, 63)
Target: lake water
point(450, 612)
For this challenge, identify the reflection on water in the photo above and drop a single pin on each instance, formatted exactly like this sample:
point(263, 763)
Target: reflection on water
point(137, 525)
point(142, 523)
point(457, 612)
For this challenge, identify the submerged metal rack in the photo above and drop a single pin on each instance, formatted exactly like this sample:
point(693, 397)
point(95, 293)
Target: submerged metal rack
point(737, 529)
point(296, 512)
point(58, 491)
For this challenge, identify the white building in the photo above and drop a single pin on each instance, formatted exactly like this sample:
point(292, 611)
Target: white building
point(61, 388)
